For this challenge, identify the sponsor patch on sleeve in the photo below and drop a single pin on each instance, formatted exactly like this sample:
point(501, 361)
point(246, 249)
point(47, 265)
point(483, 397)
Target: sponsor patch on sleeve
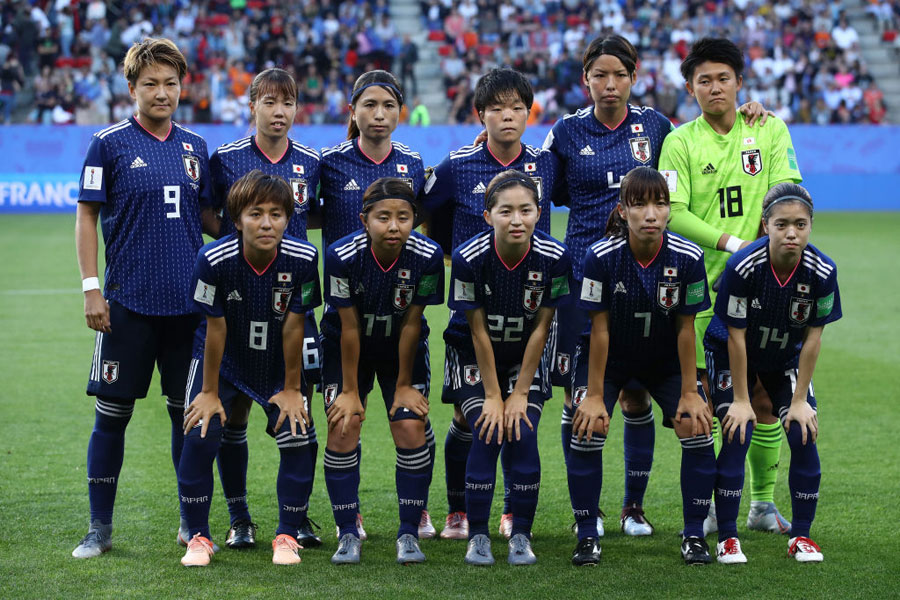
point(824, 305)
point(792, 158)
point(737, 307)
point(463, 291)
point(671, 180)
point(205, 293)
point(306, 292)
point(559, 286)
point(694, 293)
point(340, 287)
point(93, 178)
point(427, 285)
point(591, 290)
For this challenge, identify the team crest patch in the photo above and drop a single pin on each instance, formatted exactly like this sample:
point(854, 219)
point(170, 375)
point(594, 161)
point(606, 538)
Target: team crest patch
point(723, 380)
point(110, 373)
point(408, 182)
point(301, 196)
point(578, 395)
point(640, 149)
point(471, 374)
point(562, 363)
point(667, 295)
point(752, 161)
point(191, 166)
point(403, 293)
point(532, 298)
point(330, 394)
point(281, 298)
point(800, 310)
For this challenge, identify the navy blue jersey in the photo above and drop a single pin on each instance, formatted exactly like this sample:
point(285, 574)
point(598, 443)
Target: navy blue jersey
point(151, 192)
point(353, 277)
point(774, 314)
point(510, 297)
point(454, 191)
point(254, 306)
point(299, 166)
point(643, 301)
point(345, 175)
point(593, 160)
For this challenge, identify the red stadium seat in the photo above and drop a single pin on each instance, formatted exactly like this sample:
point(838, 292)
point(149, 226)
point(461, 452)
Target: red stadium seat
point(436, 36)
point(445, 50)
point(486, 49)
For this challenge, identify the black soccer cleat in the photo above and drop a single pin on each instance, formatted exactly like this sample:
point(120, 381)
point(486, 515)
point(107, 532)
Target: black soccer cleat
point(587, 553)
point(306, 537)
point(241, 535)
point(695, 551)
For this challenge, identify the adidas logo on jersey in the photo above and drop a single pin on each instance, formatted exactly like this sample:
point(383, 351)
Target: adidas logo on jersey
point(138, 162)
point(755, 304)
point(479, 189)
point(234, 295)
point(351, 186)
point(620, 288)
point(586, 151)
point(709, 169)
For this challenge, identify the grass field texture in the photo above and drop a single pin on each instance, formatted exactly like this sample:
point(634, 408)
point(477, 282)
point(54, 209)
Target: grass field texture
point(46, 419)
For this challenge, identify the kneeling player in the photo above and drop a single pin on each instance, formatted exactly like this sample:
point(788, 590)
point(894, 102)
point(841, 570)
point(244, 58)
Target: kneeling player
point(642, 287)
point(378, 282)
point(254, 287)
point(506, 284)
point(775, 298)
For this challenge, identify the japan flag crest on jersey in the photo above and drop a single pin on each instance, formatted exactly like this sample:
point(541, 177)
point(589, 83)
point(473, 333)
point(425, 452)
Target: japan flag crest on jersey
point(800, 310)
point(667, 295)
point(471, 374)
point(578, 395)
point(110, 373)
point(751, 160)
point(640, 149)
point(281, 298)
point(532, 297)
point(298, 186)
point(403, 293)
point(191, 166)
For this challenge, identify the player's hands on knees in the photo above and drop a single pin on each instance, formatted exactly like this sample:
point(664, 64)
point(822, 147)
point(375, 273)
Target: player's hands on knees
point(515, 411)
point(293, 407)
point(491, 420)
point(202, 408)
point(345, 406)
point(755, 111)
point(590, 418)
point(691, 405)
point(739, 414)
point(96, 311)
point(408, 397)
point(803, 415)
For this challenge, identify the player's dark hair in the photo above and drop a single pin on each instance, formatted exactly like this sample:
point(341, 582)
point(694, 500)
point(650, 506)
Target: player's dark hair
point(783, 193)
point(273, 82)
point(366, 80)
point(719, 50)
point(256, 188)
point(506, 180)
point(614, 45)
point(388, 188)
point(500, 84)
point(641, 183)
point(153, 51)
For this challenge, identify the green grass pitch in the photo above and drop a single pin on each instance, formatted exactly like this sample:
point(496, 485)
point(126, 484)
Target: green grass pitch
point(45, 421)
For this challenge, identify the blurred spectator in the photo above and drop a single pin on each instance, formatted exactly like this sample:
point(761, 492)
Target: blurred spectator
point(409, 56)
point(12, 78)
point(419, 115)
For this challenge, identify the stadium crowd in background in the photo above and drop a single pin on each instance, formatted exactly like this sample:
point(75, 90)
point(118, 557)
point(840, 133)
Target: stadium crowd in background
point(61, 57)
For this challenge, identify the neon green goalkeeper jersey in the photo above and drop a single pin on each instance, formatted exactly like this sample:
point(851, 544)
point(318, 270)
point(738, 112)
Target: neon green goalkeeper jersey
point(718, 182)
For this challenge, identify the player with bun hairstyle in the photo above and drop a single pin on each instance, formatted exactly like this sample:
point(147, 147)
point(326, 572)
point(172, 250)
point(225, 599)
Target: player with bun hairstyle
point(378, 281)
point(273, 106)
point(775, 297)
point(146, 180)
point(506, 284)
point(642, 287)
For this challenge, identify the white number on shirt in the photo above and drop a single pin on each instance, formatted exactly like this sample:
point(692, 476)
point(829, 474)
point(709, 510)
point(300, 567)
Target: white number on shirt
point(172, 195)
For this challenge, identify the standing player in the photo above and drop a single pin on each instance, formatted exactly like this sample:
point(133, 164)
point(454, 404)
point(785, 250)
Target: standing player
point(146, 179)
point(350, 167)
point(775, 298)
point(378, 282)
point(719, 169)
point(454, 198)
point(273, 105)
point(254, 287)
point(642, 287)
point(506, 284)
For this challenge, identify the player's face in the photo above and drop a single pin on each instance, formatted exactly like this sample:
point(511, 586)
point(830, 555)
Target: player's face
point(609, 82)
point(389, 223)
point(156, 92)
point(788, 229)
point(376, 113)
point(514, 215)
point(274, 114)
point(262, 226)
point(505, 119)
point(646, 219)
point(715, 86)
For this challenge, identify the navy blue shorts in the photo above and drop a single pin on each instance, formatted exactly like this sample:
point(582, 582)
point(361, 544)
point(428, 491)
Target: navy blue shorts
point(384, 366)
point(124, 359)
point(780, 385)
point(663, 381)
point(462, 379)
point(568, 325)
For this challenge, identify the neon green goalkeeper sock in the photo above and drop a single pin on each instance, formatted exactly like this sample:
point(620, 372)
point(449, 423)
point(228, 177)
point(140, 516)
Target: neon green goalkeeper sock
point(763, 455)
point(717, 436)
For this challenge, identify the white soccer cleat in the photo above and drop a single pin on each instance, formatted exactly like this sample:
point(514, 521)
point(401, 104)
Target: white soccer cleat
point(506, 524)
point(359, 529)
point(456, 527)
point(804, 550)
point(633, 521)
point(729, 552)
point(764, 516)
point(710, 523)
point(426, 527)
point(97, 541)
